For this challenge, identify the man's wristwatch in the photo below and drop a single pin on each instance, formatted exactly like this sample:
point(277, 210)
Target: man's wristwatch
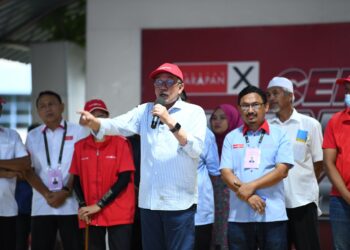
point(176, 128)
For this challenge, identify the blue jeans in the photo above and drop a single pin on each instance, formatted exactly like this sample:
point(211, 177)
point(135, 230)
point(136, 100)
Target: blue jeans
point(168, 230)
point(339, 215)
point(254, 235)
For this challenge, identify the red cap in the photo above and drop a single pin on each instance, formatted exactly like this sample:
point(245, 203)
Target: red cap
point(343, 80)
point(95, 104)
point(2, 101)
point(167, 68)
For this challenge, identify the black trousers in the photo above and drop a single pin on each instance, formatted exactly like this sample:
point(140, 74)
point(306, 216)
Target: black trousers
point(303, 230)
point(45, 228)
point(136, 238)
point(119, 237)
point(8, 233)
point(203, 236)
point(22, 231)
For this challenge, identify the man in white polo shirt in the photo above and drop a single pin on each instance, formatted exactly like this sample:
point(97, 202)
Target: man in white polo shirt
point(13, 161)
point(51, 147)
point(301, 186)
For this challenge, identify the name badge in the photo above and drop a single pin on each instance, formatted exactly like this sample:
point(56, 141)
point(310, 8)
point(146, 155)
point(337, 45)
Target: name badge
point(252, 158)
point(55, 179)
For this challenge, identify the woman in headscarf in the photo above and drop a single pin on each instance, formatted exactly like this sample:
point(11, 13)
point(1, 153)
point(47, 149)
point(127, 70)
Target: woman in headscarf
point(224, 119)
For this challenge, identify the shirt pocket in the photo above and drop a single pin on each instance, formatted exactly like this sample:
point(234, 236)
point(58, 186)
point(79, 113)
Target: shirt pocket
point(300, 145)
point(299, 151)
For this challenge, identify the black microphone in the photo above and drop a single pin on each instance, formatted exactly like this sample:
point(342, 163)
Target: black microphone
point(155, 118)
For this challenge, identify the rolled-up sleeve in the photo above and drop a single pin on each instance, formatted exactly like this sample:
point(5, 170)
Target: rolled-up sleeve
point(196, 133)
point(284, 151)
point(211, 154)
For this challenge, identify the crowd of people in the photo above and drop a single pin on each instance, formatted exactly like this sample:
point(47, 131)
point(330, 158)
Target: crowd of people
point(244, 181)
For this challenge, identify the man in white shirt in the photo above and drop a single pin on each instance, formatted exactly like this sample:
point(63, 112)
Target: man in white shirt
point(301, 185)
point(172, 135)
point(13, 162)
point(51, 147)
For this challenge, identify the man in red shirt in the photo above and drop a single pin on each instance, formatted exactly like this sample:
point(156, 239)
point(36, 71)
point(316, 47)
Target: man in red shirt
point(104, 185)
point(336, 151)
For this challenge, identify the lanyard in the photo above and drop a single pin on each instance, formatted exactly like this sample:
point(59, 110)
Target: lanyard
point(260, 139)
point(62, 146)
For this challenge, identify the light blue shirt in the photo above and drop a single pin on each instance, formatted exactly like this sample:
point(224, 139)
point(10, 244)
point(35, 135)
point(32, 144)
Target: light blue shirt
point(168, 170)
point(208, 164)
point(275, 147)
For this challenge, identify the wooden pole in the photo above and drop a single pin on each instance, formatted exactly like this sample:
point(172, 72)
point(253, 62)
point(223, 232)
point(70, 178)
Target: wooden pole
point(87, 237)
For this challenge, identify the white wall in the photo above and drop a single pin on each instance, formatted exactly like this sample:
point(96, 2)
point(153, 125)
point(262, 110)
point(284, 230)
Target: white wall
point(60, 67)
point(114, 33)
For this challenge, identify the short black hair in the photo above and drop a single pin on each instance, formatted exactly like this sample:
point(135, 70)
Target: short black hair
point(48, 92)
point(252, 89)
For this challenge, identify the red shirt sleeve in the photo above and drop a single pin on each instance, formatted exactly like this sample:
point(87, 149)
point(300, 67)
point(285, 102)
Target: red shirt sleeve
point(329, 139)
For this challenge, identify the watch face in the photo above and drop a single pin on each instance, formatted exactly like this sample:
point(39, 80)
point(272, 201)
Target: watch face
point(176, 128)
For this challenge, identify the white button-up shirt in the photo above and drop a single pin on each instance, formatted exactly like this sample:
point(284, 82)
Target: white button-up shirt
point(11, 147)
point(168, 170)
point(36, 147)
point(301, 185)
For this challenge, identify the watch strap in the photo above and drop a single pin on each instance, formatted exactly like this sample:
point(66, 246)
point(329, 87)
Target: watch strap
point(176, 128)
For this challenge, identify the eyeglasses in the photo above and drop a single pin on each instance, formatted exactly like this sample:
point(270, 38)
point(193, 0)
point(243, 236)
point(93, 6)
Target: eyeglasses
point(255, 106)
point(168, 82)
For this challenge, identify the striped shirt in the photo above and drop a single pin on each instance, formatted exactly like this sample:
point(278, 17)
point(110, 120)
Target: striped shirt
point(168, 170)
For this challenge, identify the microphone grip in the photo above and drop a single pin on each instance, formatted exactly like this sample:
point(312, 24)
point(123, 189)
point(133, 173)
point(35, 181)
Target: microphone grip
point(154, 123)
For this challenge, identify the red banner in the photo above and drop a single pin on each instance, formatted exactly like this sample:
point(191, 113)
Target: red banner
point(218, 63)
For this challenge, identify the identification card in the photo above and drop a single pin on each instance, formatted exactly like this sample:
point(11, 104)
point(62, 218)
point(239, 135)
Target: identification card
point(252, 158)
point(55, 179)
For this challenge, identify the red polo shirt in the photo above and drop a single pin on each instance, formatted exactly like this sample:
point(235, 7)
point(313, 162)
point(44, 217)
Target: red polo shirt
point(98, 165)
point(337, 136)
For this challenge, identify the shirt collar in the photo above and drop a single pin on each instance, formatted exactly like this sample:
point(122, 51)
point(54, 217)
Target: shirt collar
point(45, 128)
point(90, 140)
point(179, 104)
point(346, 114)
point(295, 116)
point(265, 126)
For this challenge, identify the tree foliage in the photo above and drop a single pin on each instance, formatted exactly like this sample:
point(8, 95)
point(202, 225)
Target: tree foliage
point(67, 23)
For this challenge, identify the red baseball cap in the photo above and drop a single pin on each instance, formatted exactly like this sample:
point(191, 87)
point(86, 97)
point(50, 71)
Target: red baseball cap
point(95, 104)
point(167, 68)
point(2, 100)
point(343, 80)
